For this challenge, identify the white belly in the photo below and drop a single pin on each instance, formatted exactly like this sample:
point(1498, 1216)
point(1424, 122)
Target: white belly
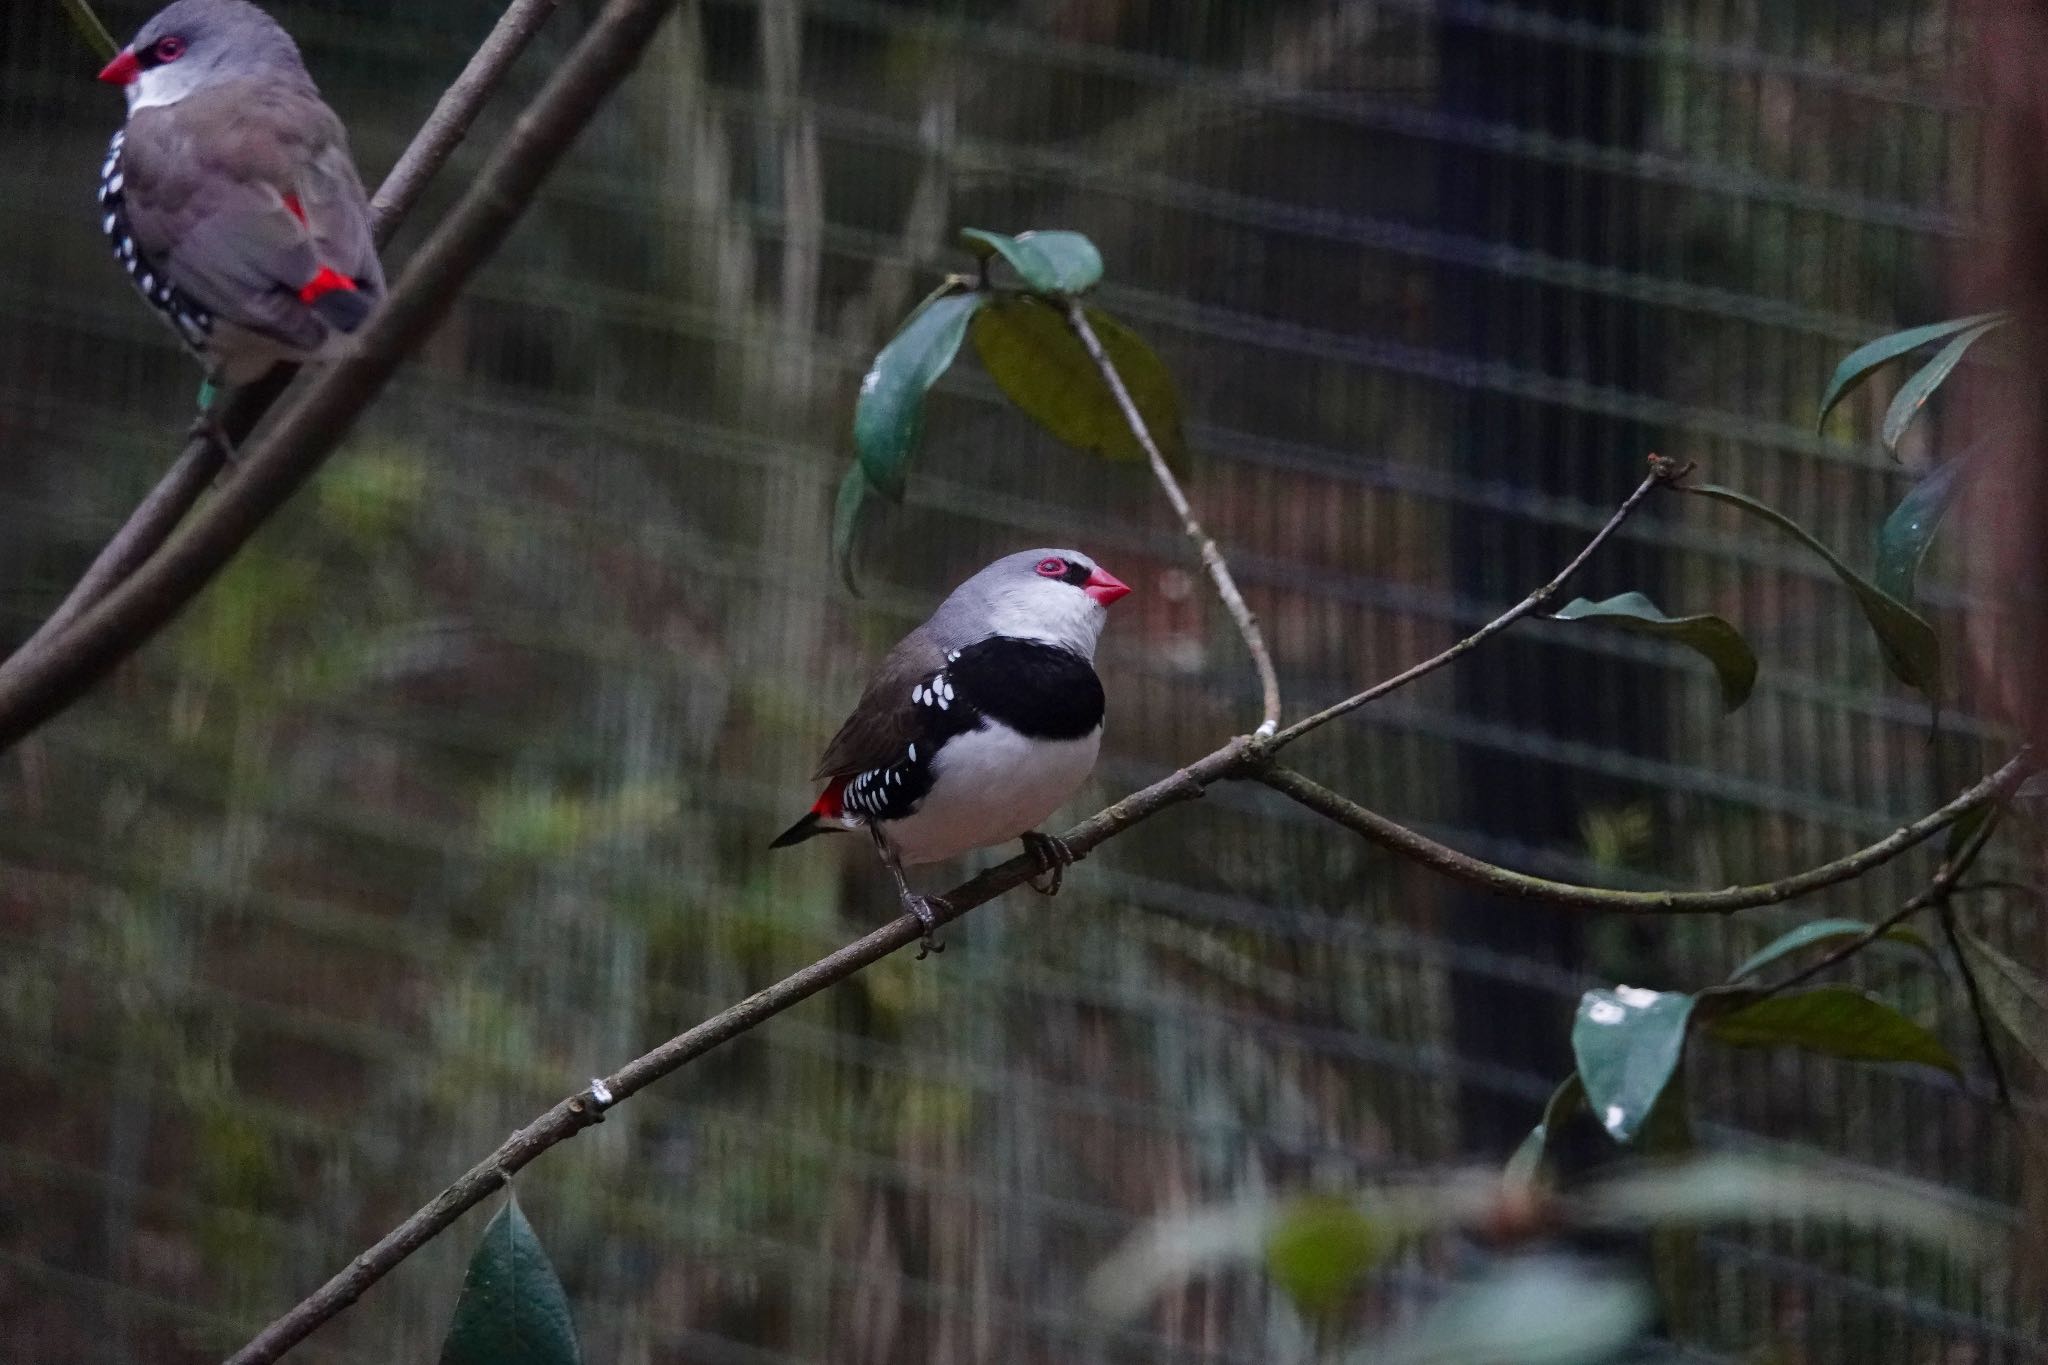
point(989, 786)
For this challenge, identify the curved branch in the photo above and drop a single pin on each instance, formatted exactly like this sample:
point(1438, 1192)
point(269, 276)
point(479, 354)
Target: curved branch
point(36, 684)
point(1397, 838)
point(1661, 471)
point(1205, 544)
point(153, 520)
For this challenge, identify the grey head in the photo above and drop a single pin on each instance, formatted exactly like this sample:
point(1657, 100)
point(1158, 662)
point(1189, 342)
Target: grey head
point(195, 43)
point(1056, 596)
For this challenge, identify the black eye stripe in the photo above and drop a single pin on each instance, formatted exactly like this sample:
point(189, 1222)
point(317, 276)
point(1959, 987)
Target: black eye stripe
point(1077, 574)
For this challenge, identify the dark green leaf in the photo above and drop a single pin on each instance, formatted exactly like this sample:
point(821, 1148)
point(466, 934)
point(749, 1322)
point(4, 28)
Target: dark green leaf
point(1914, 393)
point(1037, 361)
point(1903, 539)
point(512, 1310)
point(1628, 1043)
point(1530, 1310)
point(1909, 645)
point(1824, 933)
point(1049, 262)
point(853, 495)
point(1318, 1250)
point(1527, 1162)
point(2016, 997)
point(1836, 1021)
point(1869, 358)
point(888, 418)
point(1721, 644)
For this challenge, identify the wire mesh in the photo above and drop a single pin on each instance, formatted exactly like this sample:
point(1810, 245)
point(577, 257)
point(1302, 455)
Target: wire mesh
point(454, 790)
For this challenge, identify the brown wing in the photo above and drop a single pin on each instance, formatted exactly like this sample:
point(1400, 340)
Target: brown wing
point(885, 719)
point(206, 183)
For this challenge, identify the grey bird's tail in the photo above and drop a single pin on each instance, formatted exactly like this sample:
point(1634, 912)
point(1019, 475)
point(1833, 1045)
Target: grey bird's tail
point(342, 309)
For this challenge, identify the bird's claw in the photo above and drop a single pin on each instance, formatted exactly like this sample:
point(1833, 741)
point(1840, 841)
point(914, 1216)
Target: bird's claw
point(1054, 858)
point(927, 908)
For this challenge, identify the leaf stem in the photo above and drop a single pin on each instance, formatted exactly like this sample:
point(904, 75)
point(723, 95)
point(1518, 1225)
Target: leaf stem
point(91, 29)
point(1205, 545)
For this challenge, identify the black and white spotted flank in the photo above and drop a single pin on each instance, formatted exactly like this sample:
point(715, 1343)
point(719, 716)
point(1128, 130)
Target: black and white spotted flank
point(192, 323)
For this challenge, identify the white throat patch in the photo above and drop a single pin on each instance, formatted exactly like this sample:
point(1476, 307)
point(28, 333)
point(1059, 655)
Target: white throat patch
point(1050, 612)
point(160, 86)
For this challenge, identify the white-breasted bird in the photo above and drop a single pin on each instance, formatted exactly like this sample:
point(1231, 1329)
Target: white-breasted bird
point(978, 724)
point(229, 196)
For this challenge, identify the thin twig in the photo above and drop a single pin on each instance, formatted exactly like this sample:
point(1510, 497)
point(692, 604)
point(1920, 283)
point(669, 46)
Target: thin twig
point(1945, 910)
point(37, 684)
point(1205, 545)
point(1421, 849)
point(196, 467)
point(1661, 471)
point(91, 29)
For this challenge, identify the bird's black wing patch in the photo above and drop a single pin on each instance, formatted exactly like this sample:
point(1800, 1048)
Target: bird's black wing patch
point(1041, 691)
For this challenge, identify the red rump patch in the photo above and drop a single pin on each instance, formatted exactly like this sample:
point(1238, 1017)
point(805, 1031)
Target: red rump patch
point(291, 201)
point(325, 282)
point(829, 805)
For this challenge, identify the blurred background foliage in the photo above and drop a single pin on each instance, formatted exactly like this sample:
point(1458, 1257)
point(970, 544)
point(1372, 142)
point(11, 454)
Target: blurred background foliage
point(454, 791)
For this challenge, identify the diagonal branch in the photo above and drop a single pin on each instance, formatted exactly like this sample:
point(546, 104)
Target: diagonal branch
point(196, 467)
point(38, 683)
point(1662, 471)
point(1205, 545)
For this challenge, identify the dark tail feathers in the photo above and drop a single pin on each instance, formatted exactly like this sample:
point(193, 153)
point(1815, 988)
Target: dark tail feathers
point(342, 309)
point(809, 827)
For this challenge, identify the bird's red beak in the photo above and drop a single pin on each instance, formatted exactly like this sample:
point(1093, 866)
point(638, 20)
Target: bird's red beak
point(122, 70)
point(1104, 586)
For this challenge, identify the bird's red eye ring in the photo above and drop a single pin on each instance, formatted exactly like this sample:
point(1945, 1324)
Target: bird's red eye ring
point(169, 49)
point(1052, 568)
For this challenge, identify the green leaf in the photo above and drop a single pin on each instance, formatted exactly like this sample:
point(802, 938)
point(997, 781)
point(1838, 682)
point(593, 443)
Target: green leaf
point(2016, 997)
point(1824, 932)
point(1527, 1161)
point(1720, 643)
point(1835, 1021)
point(1037, 361)
point(1318, 1249)
point(1050, 262)
point(853, 495)
point(1873, 356)
point(1628, 1043)
point(888, 418)
point(1908, 642)
point(1903, 539)
point(512, 1310)
point(1531, 1310)
point(1914, 393)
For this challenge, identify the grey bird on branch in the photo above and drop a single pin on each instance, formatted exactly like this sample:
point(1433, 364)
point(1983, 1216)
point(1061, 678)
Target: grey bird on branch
point(977, 726)
point(230, 198)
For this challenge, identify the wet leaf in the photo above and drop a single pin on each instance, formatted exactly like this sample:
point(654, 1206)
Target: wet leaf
point(1628, 1042)
point(853, 495)
point(1835, 1021)
point(888, 418)
point(1821, 933)
point(1532, 1310)
point(2016, 997)
point(1908, 642)
point(1318, 1249)
point(1903, 539)
point(512, 1310)
point(1049, 262)
point(1873, 356)
point(1718, 642)
point(1039, 363)
point(1914, 393)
